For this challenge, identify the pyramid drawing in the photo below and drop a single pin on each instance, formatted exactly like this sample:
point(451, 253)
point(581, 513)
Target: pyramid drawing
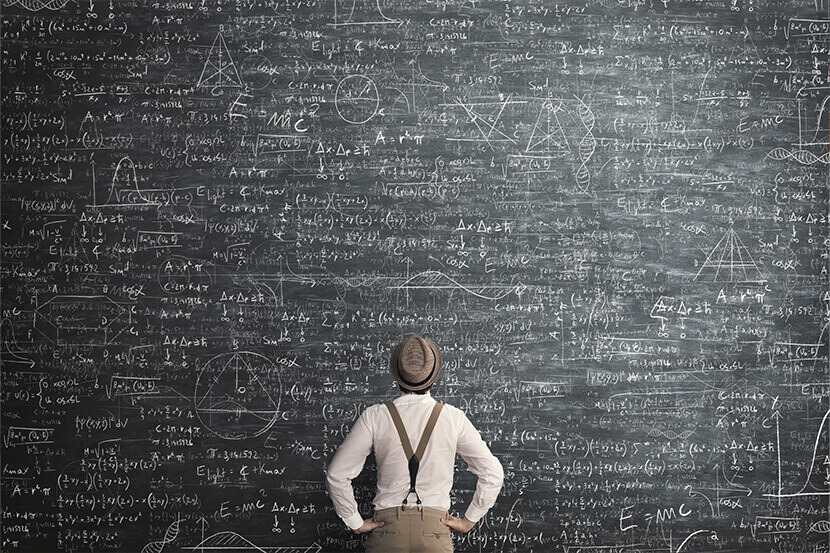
point(574, 139)
point(219, 69)
point(729, 261)
point(545, 129)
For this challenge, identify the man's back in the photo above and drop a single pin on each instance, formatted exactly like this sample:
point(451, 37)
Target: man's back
point(453, 434)
point(407, 465)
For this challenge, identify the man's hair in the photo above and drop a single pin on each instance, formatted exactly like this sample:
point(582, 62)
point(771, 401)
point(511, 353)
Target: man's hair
point(420, 392)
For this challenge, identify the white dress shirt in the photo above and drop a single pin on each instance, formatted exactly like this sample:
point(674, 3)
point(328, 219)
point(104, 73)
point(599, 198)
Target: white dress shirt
point(453, 433)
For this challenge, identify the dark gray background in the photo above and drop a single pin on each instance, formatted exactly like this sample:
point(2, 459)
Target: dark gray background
point(218, 217)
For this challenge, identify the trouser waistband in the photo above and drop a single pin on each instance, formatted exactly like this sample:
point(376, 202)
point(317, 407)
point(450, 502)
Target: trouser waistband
point(413, 510)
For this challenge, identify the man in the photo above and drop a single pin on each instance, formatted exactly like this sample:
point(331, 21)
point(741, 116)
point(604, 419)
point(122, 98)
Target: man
point(391, 428)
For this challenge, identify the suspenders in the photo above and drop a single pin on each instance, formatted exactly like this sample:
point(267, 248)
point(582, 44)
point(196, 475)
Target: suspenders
point(414, 458)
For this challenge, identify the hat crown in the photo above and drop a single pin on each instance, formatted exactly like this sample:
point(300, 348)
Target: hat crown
point(416, 362)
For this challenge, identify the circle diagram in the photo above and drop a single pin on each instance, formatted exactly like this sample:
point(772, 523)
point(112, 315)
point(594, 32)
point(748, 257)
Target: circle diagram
point(237, 395)
point(356, 99)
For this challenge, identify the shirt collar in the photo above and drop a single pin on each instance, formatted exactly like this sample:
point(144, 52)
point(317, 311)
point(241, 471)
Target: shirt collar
point(409, 398)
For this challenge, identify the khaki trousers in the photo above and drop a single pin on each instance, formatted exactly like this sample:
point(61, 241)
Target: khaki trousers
point(410, 530)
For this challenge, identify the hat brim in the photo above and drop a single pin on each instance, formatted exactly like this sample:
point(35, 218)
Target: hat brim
point(426, 383)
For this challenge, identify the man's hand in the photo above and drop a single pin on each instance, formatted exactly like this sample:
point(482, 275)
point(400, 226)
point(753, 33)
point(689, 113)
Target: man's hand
point(368, 525)
point(460, 525)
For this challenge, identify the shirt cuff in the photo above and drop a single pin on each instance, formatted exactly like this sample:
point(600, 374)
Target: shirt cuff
point(354, 522)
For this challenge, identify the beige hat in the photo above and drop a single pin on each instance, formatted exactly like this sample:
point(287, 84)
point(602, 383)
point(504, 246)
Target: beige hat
point(416, 363)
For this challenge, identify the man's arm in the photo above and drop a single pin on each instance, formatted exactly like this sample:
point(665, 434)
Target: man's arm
point(484, 465)
point(344, 466)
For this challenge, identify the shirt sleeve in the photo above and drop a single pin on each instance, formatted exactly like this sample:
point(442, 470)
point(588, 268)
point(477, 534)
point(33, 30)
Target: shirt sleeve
point(481, 462)
point(344, 466)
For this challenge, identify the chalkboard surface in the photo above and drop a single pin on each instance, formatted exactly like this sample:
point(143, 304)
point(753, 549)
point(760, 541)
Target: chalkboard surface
point(218, 216)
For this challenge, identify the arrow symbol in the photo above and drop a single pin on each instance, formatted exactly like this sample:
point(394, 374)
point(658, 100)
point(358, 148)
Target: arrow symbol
point(777, 416)
point(203, 523)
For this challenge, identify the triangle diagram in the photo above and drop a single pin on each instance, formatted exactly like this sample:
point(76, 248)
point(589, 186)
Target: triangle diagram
point(219, 69)
point(547, 135)
point(236, 386)
point(213, 381)
point(258, 390)
point(729, 261)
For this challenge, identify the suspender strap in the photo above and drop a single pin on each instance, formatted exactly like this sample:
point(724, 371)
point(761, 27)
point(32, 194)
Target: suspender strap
point(433, 418)
point(414, 458)
point(396, 418)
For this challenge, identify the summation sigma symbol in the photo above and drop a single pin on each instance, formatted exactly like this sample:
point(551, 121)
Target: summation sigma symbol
point(237, 395)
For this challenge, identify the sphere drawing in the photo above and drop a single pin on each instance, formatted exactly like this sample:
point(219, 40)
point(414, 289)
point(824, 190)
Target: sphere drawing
point(237, 395)
point(356, 99)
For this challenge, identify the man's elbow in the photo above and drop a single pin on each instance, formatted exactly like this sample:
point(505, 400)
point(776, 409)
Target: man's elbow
point(498, 473)
point(334, 478)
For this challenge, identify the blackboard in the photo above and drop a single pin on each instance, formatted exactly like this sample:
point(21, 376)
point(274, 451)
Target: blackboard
point(219, 216)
